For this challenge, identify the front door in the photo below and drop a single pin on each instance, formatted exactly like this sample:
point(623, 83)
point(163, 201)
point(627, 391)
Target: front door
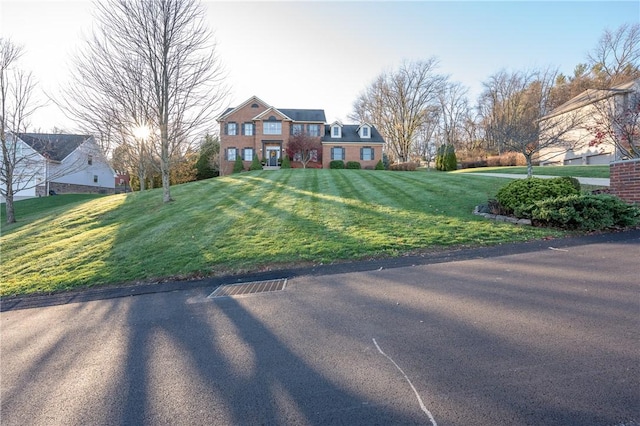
point(273, 154)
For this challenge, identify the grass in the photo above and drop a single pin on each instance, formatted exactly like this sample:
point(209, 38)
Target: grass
point(575, 171)
point(245, 222)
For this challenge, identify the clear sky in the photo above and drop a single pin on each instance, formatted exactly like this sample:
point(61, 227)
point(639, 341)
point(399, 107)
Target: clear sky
point(317, 54)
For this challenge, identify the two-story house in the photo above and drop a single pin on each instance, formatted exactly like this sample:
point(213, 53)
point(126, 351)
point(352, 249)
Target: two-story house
point(59, 163)
point(255, 128)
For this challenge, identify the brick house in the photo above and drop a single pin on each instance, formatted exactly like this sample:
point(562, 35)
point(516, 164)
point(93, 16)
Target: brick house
point(254, 128)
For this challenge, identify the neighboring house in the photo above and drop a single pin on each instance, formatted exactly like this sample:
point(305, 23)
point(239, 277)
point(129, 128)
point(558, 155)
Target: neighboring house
point(589, 108)
point(254, 128)
point(59, 163)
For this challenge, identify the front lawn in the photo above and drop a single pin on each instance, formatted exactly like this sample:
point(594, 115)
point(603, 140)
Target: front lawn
point(247, 222)
point(575, 171)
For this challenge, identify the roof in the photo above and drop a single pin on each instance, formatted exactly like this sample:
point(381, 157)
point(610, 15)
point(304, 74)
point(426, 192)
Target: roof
point(295, 114)
point(591, 96)
point(53, 146)
point(312, 115)
point(350, 135)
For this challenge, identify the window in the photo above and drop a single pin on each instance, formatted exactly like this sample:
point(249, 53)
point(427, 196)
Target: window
point(366, 153)
point(314, 130)
point(90, 160)
point(231, 154)
point(247, 129)
point(248, 154)
point(335, 132)
point(337, 153)
point(365, 132)
point(232, 129)
point(272, 127)
point(95, 178)
point(296, 129)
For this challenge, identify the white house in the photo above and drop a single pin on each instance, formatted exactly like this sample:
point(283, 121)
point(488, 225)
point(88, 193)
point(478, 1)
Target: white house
point(59, 163)
point(588, 109)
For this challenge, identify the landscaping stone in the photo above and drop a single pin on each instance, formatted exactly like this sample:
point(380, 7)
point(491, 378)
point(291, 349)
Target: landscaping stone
point(478, 211)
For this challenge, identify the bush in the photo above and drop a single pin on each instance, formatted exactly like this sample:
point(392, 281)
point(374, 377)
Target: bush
point(585, 212)
point(519, 196)
point(238, 166)
point(379, 165)
point(507, 159)
point(255, 164)
point(336, 164)
point(409, 166)
point(575, 182)
point(354, 165)
point(286, 163)
point(446, 158)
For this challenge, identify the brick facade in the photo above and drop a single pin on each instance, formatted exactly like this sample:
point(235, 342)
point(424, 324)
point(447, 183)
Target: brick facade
point(625, 180)
point(269, 146)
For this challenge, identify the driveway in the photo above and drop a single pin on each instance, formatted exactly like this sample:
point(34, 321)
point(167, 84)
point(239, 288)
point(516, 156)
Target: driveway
point(547, 335)
point(584, 180)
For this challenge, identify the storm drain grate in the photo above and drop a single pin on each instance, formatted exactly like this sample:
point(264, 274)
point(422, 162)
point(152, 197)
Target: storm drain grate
point(249, 288)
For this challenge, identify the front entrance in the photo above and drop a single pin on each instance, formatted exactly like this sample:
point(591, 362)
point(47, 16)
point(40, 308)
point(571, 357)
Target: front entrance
point(273, 155)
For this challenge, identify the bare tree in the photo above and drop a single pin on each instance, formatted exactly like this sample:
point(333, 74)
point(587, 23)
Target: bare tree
point(150, 63)
point(304, 148)
point(516, 113)
point(616, 58)
point(19, 166)
point(396, 101)
point(454, 107)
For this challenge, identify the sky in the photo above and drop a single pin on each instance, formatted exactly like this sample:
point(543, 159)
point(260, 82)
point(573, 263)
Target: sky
point(322, 55)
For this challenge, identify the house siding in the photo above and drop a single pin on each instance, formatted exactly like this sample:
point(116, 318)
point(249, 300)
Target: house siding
point(625, 180)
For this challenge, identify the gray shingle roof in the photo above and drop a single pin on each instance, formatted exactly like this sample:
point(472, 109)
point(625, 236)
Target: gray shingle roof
point(313, 115)
point(350, 134)
point(55, 146)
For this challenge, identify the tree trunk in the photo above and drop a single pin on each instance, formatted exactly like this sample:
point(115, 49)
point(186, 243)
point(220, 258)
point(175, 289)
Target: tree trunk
point(529, 165)
point(11, 216)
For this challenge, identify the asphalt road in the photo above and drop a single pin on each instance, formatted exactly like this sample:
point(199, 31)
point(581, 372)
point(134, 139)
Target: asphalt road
point(545, 336)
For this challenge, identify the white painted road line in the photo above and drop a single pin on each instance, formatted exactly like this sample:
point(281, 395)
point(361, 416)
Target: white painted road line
point(422, 406)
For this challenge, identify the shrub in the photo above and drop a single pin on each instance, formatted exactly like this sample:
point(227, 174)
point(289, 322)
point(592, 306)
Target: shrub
point(409, 166)
point(286, 163)
point(446, 158)
point(238, 166)
point(255, 164)
point(507, 159)
point(585, 212)
point(336, 164)
point(353, 165)
point(575, 182)
point(379, 165)
point(518, 197)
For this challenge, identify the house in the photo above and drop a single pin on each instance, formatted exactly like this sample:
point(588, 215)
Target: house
point(60, 163)
point(590, 109)
point(255, 128)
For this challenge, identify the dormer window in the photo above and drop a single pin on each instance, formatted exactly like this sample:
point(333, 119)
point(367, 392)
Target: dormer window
point(336, 129)
point(365, 132)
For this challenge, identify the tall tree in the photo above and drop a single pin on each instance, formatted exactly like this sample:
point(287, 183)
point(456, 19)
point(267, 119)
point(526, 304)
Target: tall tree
point(516, 108)
point(616, 58)
point(19, 167)
point(396, 103)
point(152, 63)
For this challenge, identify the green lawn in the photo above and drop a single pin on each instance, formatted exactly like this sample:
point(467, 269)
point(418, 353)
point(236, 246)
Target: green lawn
point(245, 222)
point(575, 171)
